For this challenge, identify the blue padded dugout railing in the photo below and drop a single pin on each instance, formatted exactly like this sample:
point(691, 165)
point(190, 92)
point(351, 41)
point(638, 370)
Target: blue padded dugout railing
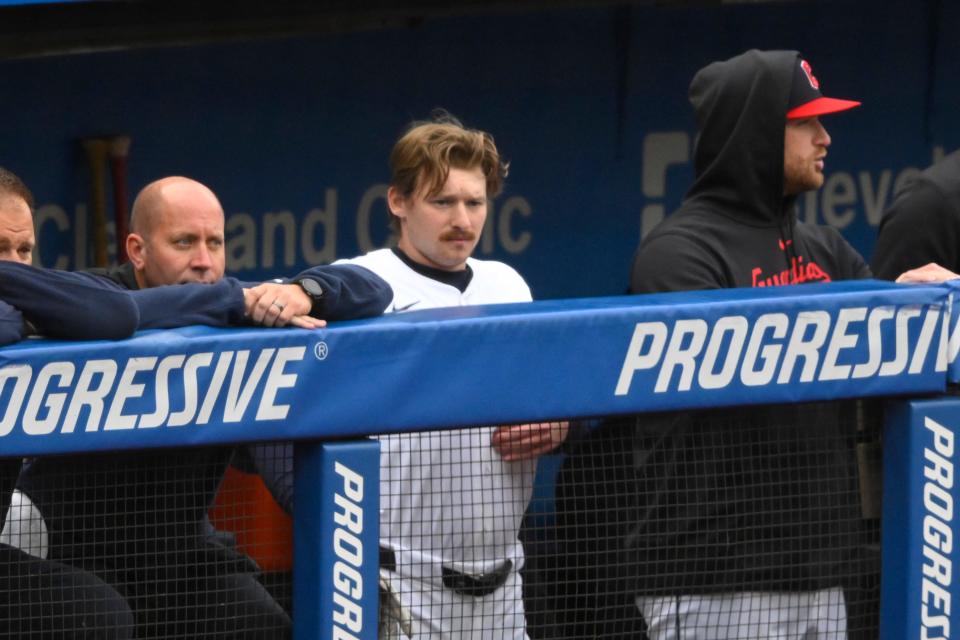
point(540, 361)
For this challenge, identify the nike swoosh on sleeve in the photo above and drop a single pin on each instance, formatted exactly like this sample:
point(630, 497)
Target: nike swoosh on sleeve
point(405, 307)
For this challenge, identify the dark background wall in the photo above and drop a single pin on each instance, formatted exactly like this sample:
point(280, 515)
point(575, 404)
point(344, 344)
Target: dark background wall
point(588, 103)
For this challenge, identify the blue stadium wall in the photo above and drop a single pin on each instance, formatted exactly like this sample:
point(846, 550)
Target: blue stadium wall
point(588, 104)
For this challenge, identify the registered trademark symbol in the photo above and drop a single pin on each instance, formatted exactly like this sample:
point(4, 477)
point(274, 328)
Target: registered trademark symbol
point(321, 350)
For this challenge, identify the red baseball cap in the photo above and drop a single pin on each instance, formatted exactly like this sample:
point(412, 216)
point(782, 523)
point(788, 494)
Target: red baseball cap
point(806, 101)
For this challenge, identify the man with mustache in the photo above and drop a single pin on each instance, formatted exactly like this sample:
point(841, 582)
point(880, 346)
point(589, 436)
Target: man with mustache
point(451, 501)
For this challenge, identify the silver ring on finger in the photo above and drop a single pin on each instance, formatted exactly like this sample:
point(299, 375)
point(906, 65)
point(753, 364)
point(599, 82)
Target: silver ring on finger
point(278, 305)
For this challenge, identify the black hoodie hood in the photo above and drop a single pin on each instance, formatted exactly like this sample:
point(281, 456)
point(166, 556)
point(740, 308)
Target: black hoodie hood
point(741, 109)
point(735, 228)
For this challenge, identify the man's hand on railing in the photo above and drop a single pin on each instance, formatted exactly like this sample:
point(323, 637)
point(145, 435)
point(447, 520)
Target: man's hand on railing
point(527, 441)
point(927, 274)
point(279, 305)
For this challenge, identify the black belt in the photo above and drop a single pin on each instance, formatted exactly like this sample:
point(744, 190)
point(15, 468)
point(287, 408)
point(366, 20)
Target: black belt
point(462, 583)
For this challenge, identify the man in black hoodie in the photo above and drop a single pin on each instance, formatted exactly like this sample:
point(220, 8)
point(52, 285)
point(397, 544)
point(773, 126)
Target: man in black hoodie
point(745, 522)
point(760, 145)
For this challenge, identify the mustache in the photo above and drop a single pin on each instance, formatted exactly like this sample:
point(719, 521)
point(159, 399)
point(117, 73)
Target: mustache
point(458, 235)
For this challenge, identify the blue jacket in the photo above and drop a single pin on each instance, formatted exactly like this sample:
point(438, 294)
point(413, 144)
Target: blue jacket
point(350, 292)
point(146, 510)
point(47, 297)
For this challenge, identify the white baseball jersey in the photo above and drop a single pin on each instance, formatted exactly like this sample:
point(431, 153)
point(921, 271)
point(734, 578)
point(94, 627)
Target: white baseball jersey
point(447, 499)
point(446, 496)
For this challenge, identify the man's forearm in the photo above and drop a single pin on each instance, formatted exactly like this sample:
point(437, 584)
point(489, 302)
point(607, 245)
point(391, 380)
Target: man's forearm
point(349, 291)
point(69, 305)
point(219, 304)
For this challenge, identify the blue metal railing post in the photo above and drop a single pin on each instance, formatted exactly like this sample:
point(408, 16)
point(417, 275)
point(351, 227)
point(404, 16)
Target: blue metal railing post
point(920, 588)
point(336, 540)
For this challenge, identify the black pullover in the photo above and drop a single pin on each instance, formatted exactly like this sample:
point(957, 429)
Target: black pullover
point(750, 498)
